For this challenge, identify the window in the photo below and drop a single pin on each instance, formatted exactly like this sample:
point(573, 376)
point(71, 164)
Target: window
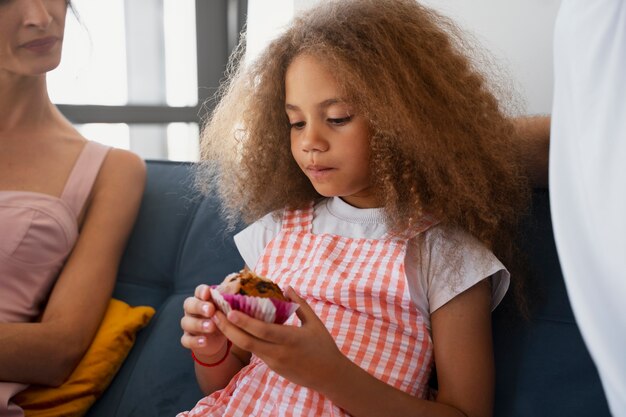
point(264, 23)
point(136, 73)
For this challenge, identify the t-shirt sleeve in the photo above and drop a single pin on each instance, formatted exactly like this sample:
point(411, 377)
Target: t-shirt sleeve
point(252, 240)
point(452, 261)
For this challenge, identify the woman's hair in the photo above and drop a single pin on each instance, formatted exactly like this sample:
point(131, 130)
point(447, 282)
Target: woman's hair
point(441, 142)
point(70, 6)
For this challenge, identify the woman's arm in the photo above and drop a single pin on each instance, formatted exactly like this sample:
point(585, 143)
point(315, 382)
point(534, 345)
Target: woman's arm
point(46, 352)
point(308, 356)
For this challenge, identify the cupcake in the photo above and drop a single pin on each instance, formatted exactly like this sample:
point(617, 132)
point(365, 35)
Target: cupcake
point(253, 295)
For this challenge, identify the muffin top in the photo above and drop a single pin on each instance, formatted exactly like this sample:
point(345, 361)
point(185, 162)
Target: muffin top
point(246, 282)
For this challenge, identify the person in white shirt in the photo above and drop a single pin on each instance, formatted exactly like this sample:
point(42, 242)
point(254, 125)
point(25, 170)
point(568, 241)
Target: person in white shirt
point(587, 176)
point(588, 179)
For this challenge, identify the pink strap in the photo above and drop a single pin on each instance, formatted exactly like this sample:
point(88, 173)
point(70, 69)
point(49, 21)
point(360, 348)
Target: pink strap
point(298, 220)
point(83, 175)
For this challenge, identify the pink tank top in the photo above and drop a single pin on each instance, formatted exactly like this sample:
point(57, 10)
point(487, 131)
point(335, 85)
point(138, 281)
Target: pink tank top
point(37, 233)
point(358, 288)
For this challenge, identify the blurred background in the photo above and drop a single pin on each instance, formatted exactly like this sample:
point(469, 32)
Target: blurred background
point(137, 74)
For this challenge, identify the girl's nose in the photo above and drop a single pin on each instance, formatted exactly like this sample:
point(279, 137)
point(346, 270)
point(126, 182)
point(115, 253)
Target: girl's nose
point(36, 14)
point(313, 140)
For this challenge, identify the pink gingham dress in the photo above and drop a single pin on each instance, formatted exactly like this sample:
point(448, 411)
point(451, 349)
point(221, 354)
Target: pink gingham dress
point(358, 288)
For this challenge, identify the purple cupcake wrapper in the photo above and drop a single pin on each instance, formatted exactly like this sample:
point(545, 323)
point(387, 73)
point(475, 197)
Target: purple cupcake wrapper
point(270, 310)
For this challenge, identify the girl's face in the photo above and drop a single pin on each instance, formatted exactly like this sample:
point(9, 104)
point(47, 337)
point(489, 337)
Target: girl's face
point(329, 141)
point(31, 35)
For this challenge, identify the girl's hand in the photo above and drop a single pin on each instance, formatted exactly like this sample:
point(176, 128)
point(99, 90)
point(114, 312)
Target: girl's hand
point(199, 332)
point(306, 355)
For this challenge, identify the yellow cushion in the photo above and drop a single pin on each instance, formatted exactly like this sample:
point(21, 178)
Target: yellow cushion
point(112, 342)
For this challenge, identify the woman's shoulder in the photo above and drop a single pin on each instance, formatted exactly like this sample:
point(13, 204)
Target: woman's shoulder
point(122, 167)
point(118, 163)
point(125, 160)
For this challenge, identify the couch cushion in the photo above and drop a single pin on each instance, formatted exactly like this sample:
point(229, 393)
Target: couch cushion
point(543, 368)
point(177, 243)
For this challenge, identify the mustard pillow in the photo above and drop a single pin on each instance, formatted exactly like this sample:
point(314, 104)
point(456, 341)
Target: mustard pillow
point(114, 339)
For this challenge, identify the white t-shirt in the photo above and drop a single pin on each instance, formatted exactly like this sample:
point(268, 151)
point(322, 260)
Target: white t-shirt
point(436, 269)
point(588, 178)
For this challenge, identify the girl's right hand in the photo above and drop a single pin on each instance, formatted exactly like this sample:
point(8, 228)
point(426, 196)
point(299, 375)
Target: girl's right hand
point(200, 333)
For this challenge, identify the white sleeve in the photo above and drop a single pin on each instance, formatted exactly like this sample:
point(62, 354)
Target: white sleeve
point(452, 261)
point(588, 179)
point(252, 240)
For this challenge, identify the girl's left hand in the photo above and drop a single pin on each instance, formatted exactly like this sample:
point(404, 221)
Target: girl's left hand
point(305, 355)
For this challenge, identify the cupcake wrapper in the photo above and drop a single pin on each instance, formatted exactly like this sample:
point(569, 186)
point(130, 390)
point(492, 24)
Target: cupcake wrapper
point(270, 310)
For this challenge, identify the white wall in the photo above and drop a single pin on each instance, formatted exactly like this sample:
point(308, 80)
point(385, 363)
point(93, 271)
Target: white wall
point(517, 32)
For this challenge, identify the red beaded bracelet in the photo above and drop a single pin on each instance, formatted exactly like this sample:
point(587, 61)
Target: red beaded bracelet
point(210, 365)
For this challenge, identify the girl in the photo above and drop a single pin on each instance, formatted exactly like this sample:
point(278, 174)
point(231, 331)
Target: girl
point(387, 168)
point(67, 206)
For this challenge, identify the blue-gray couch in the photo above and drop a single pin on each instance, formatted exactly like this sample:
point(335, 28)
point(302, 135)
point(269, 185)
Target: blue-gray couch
point(543, 367)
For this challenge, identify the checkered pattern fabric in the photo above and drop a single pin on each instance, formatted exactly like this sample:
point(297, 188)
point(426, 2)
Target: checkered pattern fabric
point(358, 288)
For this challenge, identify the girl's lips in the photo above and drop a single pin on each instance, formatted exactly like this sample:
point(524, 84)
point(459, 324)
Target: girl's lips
point(41, 44)
point(317, 171)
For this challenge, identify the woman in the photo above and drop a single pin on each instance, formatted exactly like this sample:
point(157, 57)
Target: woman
point(67, 206)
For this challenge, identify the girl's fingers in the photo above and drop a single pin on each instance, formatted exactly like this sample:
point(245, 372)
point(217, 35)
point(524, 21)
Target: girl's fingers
point(305, 313)
point(192, 342)
point(236, 334)
point(242, 328)
point(202, 292)
point(269, 332)
point(252, 335)
point(195, 307)
point(197, 326)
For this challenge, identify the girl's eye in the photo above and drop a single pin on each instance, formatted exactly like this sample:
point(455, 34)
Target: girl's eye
point(296, 125)
point(339, 122)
